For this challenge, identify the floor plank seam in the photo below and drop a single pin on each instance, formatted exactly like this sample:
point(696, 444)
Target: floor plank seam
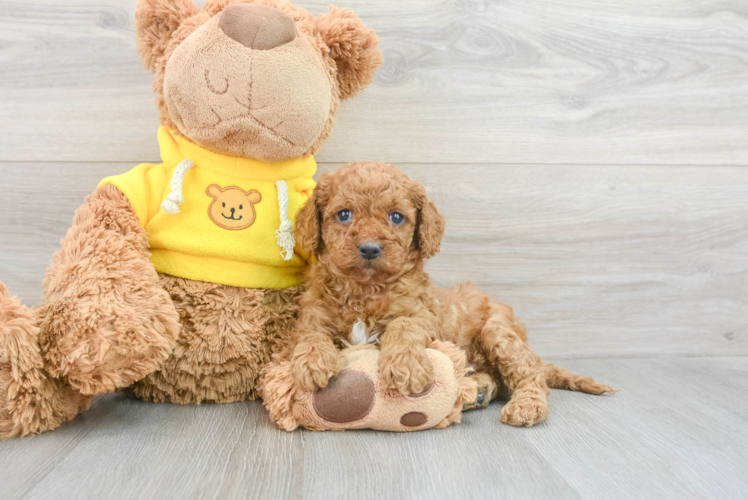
point(405, 162)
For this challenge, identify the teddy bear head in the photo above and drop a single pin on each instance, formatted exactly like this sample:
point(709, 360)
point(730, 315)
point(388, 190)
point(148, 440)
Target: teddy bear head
point(259, 79)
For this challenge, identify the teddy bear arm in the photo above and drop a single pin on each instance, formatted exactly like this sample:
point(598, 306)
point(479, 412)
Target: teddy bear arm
point(105, 322)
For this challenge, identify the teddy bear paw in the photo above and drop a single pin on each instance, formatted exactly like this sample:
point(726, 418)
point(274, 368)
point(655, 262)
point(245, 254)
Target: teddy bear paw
point(357, 398)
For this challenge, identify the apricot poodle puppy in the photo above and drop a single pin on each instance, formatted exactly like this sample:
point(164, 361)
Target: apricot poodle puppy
point(371, 228)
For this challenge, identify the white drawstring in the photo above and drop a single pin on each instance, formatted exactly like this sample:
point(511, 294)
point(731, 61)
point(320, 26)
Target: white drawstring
point(284, 234)
point(175, 198)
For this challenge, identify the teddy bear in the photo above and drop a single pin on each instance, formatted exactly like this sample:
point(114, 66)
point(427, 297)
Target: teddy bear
point(175, 279)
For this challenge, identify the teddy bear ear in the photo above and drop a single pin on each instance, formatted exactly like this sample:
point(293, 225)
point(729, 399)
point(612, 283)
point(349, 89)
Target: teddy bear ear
point(214, 191)
point(353, 46)
point(254, 196)
point(155, 22)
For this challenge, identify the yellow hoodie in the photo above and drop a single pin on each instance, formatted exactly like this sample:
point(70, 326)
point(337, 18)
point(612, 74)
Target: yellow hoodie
point(217, 218)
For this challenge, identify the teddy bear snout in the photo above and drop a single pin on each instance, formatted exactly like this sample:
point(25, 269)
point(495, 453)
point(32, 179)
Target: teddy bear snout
point(257, 27)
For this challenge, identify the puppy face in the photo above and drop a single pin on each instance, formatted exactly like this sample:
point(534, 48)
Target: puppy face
point(369, 222)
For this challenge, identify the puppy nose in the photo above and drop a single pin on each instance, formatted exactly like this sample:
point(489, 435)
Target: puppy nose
point(258, 27)
point(232, 210)
point(370, 251)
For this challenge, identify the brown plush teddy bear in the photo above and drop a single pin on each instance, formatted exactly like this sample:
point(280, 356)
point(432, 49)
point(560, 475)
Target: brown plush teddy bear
point(176, 279)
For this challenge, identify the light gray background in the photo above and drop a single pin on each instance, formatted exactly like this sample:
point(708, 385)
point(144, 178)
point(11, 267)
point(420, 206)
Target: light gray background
point(590, 156)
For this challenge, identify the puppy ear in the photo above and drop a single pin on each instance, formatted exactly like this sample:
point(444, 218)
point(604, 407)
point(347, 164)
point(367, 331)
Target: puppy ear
point(155, 21)
point(308, 226)
point(430, 224)
point(353, 46)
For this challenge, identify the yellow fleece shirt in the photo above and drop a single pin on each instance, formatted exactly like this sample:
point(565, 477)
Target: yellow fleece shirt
point(225, 231)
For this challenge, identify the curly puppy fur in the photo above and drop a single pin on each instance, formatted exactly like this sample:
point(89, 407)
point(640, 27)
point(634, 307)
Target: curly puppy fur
point(393, 295)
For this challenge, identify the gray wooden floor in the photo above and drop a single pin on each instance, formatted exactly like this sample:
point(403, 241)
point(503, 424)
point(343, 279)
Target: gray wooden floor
point(591, 157)
point(677, 429)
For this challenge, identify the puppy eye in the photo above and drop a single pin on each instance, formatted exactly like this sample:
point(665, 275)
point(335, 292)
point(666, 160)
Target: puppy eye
point(345, 215)
point(224, 205)
point(241, 206)
point(397, 218)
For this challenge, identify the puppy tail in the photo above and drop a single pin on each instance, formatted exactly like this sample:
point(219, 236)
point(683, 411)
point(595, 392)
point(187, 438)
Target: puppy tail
point(558, 377)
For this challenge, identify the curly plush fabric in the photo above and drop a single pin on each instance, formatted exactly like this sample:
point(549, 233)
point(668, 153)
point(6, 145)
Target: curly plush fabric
point(30, 400)
point(226, 338)
point(156, 21)
point(105, 321)
point(353, 47)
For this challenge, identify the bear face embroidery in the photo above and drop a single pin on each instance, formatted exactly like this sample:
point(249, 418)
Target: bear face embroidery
point(232, 208)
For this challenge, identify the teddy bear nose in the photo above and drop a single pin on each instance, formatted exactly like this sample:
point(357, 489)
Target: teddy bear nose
point(258, 27)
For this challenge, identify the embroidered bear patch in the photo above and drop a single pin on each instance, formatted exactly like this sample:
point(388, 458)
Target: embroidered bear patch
point(232, 207)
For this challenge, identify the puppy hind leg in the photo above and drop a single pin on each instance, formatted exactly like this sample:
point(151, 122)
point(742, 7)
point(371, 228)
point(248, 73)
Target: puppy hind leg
point(522, 372)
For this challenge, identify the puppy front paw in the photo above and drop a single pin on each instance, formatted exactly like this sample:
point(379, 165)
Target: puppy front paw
point(525, 411)
point(407, 369)
point(313, 365)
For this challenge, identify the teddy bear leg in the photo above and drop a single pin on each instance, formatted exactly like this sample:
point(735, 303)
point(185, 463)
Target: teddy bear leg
point(226, 340)
point(30, 400)
point(105, 321)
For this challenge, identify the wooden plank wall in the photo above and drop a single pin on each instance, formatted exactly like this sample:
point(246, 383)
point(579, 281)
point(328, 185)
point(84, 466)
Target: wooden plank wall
point(590, 155)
